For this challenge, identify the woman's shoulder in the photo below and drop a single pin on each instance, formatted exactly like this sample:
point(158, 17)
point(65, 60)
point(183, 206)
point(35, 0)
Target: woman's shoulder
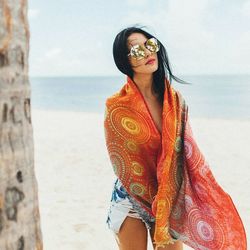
point(117, 97)
point(113, 96)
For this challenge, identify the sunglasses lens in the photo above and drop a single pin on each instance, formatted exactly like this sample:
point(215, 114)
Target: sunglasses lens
point(137, 52)
point(152, 45)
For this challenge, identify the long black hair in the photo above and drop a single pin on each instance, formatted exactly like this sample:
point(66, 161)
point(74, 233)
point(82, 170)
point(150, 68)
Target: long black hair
point(120, 52)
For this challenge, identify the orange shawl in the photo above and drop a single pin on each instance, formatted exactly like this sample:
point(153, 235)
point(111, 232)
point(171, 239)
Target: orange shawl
point(172, 183)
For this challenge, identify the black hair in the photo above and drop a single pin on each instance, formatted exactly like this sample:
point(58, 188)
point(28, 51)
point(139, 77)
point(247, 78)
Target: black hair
point(120, 52)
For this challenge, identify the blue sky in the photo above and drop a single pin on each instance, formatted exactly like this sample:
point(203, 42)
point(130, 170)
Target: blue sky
point(73, 37)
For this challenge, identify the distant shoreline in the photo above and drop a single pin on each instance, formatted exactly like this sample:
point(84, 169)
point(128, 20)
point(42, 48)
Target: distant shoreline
point(208, 96)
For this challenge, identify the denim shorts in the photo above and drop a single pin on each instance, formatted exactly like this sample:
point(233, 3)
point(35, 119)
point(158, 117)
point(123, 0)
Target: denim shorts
point(122, 206)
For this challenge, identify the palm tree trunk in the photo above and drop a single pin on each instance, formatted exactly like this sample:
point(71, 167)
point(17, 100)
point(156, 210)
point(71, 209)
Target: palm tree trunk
point(19, 211)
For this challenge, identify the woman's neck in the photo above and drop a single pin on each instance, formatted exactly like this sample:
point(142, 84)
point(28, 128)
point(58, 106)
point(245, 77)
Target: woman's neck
point(144, 83)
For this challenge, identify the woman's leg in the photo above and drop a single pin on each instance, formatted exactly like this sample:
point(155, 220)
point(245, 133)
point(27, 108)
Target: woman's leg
point(178, 245)
point(132, 235)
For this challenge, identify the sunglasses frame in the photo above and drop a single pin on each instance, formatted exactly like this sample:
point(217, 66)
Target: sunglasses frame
point(138, 51)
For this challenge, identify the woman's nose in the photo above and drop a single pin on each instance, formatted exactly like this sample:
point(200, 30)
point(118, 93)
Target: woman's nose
point(147, 52)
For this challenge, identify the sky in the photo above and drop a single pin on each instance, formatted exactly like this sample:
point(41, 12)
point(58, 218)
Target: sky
point(75, 37)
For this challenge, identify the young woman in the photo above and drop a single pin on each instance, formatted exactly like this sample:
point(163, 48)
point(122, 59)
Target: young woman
point(144, 59)
point(162, 186)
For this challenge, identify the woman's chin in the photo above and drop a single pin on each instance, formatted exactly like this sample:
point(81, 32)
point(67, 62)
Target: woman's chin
point(150, 69)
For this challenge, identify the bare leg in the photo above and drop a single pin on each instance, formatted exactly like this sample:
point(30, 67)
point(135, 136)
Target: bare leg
point(132, 235)
point(178, 245)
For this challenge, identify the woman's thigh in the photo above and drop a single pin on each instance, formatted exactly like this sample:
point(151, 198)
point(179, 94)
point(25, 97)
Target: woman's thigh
point(132, 235)
point(178, 245)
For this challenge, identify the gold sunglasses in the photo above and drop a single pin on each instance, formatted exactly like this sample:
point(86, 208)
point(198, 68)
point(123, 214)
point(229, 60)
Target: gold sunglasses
point(138, 51)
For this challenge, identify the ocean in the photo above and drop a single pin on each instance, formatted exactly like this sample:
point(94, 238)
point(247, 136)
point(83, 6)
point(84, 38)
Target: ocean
point(209, 96)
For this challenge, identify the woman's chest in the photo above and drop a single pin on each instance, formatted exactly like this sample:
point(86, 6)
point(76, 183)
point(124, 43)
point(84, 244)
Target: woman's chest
point(155, 109)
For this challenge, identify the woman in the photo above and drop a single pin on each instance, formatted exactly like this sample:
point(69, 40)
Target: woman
point(144, 71)
point(158, 189)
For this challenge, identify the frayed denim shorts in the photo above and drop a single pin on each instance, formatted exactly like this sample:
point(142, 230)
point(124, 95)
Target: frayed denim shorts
point(121, 206)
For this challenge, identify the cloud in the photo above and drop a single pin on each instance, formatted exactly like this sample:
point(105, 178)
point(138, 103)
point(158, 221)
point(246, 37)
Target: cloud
point(33, 13)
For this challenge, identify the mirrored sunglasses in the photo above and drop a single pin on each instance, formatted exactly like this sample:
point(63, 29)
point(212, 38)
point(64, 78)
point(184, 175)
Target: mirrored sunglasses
point(138, 51)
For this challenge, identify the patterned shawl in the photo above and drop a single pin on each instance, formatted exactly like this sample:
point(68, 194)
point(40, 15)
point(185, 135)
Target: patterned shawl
point(172, 183)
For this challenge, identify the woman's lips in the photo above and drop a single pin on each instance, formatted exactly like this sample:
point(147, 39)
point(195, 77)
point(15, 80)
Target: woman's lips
point(151, 61)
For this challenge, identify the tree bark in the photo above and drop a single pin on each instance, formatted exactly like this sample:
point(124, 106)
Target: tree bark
point(19, 211)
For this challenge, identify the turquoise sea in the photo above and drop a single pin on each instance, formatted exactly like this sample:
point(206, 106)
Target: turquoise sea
point(209, 96)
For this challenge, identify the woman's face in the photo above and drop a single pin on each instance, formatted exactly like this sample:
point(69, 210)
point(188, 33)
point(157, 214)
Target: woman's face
point(141, 66)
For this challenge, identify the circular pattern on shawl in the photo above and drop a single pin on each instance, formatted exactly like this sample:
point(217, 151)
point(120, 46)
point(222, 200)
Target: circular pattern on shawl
point(137, 168)
point(131, 145)
point(130, 124)
point(192, 153)
point(120, 160)
point(137, 189)
point(205, 230)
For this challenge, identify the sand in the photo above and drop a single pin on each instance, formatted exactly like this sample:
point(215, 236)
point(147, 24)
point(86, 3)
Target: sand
point(75, 176)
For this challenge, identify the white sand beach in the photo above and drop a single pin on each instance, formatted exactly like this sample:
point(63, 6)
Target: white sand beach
point(75, 176)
